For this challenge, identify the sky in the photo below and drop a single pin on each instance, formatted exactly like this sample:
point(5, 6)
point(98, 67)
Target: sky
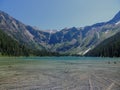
point(59, 14)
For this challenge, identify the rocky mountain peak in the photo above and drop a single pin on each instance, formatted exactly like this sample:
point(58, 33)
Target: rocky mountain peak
point(115, 19)
point(117, 16)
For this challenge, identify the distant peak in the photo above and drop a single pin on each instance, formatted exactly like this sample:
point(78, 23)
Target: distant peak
point(117, 16)
point(2, 12)
point(118, 12)
point(115, 19)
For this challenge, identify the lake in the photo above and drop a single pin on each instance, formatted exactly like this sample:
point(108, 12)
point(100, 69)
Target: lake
point(59, 73)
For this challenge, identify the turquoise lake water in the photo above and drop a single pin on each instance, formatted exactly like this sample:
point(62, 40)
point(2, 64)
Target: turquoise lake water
point(68, 58)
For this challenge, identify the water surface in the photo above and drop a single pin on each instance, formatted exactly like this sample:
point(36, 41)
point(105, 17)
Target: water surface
point(59, 73)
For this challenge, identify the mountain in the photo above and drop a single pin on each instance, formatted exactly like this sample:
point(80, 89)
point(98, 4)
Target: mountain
point(11, 47)
point(115, 20)
point(81, 40)
point(68, 40)
point(108, 48)
point(22, 33)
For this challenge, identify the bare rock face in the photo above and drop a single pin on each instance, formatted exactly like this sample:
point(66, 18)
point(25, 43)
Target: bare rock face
point(19, 31)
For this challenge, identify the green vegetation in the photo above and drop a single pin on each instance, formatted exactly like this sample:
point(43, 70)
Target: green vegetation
point(108, 48)
point(10, 47)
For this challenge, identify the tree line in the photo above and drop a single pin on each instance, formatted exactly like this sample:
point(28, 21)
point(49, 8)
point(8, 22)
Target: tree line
point(108, 48)
point(11, 47)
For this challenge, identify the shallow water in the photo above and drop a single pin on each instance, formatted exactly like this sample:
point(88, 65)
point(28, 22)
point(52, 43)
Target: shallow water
point(59, 73)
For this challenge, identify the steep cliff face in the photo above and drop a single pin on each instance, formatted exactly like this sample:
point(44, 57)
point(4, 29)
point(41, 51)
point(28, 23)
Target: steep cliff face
point(69, 40)
point(21, 32)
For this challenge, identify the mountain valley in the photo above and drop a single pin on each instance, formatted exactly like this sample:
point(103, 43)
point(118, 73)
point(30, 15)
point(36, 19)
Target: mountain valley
point(66, 41)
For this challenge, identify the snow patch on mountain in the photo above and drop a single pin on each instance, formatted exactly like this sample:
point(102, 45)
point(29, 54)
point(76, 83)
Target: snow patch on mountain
point(117, 23)
point(87, 51)
point(107, 32)
point(98, 35)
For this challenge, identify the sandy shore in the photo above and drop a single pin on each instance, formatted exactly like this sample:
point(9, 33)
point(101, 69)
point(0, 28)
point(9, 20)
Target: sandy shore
point(59, 75)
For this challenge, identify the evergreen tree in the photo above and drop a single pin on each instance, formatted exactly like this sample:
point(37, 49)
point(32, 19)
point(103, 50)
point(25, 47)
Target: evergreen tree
point(108, 48)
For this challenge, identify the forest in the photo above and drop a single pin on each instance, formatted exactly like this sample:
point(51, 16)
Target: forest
point(108, 48)
point(11, 47)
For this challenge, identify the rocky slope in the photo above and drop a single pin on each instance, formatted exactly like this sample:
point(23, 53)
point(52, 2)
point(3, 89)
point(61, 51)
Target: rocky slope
point(81, 40)
point(21, 32)
point(108, 48)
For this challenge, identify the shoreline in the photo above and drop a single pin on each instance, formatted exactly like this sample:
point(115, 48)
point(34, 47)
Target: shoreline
point(41, 74)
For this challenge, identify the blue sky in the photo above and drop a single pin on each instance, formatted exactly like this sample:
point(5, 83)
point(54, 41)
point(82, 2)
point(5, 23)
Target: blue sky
point(58, 14)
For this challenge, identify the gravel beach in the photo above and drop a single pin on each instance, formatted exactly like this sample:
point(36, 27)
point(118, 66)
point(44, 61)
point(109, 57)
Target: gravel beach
point(59, 74)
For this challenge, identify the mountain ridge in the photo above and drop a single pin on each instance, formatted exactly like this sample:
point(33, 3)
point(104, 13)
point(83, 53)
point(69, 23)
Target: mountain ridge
point(68, 40)
point(110, 47)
